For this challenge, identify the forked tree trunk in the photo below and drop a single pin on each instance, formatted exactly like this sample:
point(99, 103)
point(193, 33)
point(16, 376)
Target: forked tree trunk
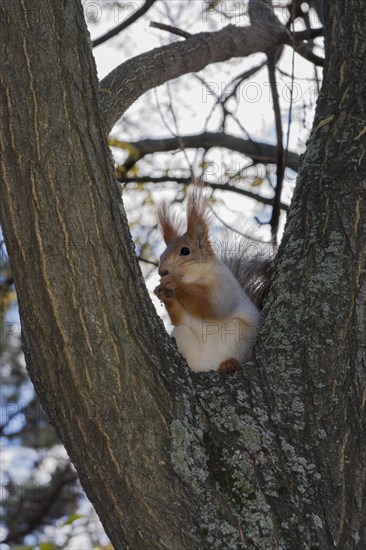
point(272, 457)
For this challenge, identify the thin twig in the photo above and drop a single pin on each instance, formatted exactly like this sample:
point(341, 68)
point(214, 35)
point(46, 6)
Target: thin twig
point(280, 153)
point(291, 94)
point(178, 134)
point(289, 75)
point(113, 32)
point(307, 34)
point(218, 186)
point(231, 228)
point(175, 135)
point(244, 76)
point(169, 28)
point(147, 261)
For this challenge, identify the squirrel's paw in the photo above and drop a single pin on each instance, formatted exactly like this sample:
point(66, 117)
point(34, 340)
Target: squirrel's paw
point(167, 282)
point(165, 291)
point(164, 294)
point(228, 366)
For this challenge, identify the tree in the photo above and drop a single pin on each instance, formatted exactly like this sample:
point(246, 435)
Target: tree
point(271, 457)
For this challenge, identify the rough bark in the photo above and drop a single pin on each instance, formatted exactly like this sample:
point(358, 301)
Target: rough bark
point(272, 457)
point(88, 326)
point(312, 353)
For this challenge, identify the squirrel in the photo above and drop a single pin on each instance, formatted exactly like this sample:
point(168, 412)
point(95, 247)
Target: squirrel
point(213, 300)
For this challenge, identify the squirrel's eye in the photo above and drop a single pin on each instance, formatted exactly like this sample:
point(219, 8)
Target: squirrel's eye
point(185, 251)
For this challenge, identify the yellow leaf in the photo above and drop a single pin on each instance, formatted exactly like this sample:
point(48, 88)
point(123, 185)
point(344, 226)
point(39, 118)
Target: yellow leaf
point(132, 150)
point(257, 182)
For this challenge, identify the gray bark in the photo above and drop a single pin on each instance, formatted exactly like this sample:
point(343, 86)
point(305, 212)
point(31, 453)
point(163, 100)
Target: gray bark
point(272, 457)
point(88, 326)
point(314, 377)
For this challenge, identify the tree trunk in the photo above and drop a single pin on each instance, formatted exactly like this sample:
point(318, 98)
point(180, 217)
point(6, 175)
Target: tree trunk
point(89, 328)
point(271, 457)
point(311, 359)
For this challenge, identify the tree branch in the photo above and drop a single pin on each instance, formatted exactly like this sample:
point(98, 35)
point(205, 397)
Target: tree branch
point(216, 186)
point(280, 152)
point(243, 76)
point(134, 17)
point(308, 34)
point(35, 505)
point(259, 152)
point(169, 28)
point(307, 53)
point(127, 82)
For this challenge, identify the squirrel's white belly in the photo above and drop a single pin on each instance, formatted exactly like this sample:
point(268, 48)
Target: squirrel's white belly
point(207, 344)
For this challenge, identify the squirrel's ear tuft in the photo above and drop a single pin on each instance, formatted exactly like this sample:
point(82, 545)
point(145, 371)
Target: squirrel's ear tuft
point(169, 225)
point(197, 215)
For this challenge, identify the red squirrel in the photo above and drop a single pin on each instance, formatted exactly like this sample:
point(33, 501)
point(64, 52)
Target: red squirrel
point(215, 320)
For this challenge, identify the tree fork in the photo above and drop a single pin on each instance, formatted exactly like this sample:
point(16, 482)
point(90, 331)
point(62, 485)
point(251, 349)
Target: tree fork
point(272, 457)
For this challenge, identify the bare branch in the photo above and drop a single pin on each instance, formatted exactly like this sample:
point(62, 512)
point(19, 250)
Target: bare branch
point(169, 28)
point(261, 13)
point(127, 82)
point(280, 152)
point(146, 261)
point(186, 181)
point(11, 416)
point(244, 76)
point(308, 34)
point(307, 53)
point(113, 32)
point(302, 48)
point(234, 230)
point(32, 512)
point(259, 152)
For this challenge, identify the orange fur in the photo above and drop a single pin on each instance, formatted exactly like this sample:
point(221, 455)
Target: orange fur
point(192, 297)
point(228, 366)
point(197, 216)
point(168, 223)
point(198, 290)
point(195, 297)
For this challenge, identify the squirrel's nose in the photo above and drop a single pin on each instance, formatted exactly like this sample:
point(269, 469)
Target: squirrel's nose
point(163, 272)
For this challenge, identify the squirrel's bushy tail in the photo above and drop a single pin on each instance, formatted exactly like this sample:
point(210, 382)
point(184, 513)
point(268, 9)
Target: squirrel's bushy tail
point(252, 265)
